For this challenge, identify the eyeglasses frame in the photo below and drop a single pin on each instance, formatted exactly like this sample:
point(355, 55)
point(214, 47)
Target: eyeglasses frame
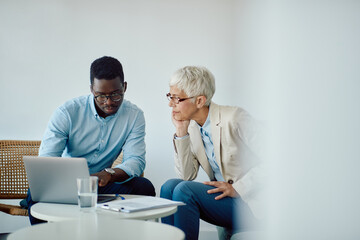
point(109, 96)
point(176, 100)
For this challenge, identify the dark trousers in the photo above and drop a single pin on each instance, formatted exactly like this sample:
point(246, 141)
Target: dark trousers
point(137, 185)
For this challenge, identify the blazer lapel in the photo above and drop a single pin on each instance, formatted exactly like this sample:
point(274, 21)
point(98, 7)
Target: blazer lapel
point(215, 120)
point(199, 150)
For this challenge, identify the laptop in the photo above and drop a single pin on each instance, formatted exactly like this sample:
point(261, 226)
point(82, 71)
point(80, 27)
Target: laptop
point(53, 179)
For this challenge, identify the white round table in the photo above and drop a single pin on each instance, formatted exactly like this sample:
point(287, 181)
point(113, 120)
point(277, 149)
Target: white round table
point(99, 228)
point(54, 212)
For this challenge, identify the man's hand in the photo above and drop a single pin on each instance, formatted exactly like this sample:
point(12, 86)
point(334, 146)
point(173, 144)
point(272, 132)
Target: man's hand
point(224, 187)
point(104, 178)
point(181, 126)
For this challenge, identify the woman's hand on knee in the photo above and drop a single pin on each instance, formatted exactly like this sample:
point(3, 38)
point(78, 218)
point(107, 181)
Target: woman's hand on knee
point(225, 188)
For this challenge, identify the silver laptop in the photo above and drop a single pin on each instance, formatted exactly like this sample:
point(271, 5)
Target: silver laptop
point(53, 179)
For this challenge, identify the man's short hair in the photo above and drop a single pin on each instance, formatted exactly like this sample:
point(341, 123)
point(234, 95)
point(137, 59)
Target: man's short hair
point(194, 81)
point(106, 68)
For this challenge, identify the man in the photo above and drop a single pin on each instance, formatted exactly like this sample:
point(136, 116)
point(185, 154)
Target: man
point(99, 127)
point(220, 139)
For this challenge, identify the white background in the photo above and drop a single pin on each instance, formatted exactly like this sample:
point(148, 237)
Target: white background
point(292, 64)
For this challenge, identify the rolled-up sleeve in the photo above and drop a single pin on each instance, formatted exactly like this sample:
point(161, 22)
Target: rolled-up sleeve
point(134, 148)
point(56, 134)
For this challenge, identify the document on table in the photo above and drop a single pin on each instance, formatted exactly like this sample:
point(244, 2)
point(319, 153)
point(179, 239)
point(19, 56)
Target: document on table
point(139, 204)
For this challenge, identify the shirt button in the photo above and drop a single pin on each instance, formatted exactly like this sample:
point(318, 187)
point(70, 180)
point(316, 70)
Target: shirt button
point(230, 181)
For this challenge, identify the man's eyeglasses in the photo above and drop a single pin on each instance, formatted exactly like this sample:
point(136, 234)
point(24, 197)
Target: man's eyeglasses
point(115, 97)
point(176, 100)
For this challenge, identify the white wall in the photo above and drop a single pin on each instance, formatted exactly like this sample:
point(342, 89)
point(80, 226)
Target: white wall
point(294, 64)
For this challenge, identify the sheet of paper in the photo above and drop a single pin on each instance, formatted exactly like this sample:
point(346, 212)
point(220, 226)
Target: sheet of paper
point(139, 204)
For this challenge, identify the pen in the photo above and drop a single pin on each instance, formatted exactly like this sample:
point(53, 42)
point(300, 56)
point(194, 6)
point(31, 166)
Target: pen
point(119, 196)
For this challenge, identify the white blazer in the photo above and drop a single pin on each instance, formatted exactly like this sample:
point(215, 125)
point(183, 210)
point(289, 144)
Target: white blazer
point(234, 135)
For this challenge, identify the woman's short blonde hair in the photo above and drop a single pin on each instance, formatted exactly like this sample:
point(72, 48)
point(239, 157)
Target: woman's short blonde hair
point(194, 81)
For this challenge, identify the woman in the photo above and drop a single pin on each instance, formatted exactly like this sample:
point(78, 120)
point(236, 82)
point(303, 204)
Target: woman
point(220, 139)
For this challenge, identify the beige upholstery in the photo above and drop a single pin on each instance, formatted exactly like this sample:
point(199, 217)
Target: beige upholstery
point(118, 160)
point(13, 180)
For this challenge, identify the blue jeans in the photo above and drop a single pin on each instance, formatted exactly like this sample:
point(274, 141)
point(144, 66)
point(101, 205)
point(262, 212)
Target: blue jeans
point(137, 185)
point(201, 205)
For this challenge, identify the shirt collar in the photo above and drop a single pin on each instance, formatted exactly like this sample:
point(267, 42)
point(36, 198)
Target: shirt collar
point(92, 105)
point(206, 127)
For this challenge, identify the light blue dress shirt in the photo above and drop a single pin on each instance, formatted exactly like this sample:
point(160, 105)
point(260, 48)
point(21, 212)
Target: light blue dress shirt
point(76, 130)
point(205, 132)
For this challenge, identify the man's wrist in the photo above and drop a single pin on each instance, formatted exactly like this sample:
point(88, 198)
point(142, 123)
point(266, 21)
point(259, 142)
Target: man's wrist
point(110, 171)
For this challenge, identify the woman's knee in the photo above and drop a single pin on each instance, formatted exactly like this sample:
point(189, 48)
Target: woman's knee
point(184, 190)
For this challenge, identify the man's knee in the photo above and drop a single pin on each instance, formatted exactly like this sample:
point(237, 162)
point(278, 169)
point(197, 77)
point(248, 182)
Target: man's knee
point(144, 186)
point(168, 187)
